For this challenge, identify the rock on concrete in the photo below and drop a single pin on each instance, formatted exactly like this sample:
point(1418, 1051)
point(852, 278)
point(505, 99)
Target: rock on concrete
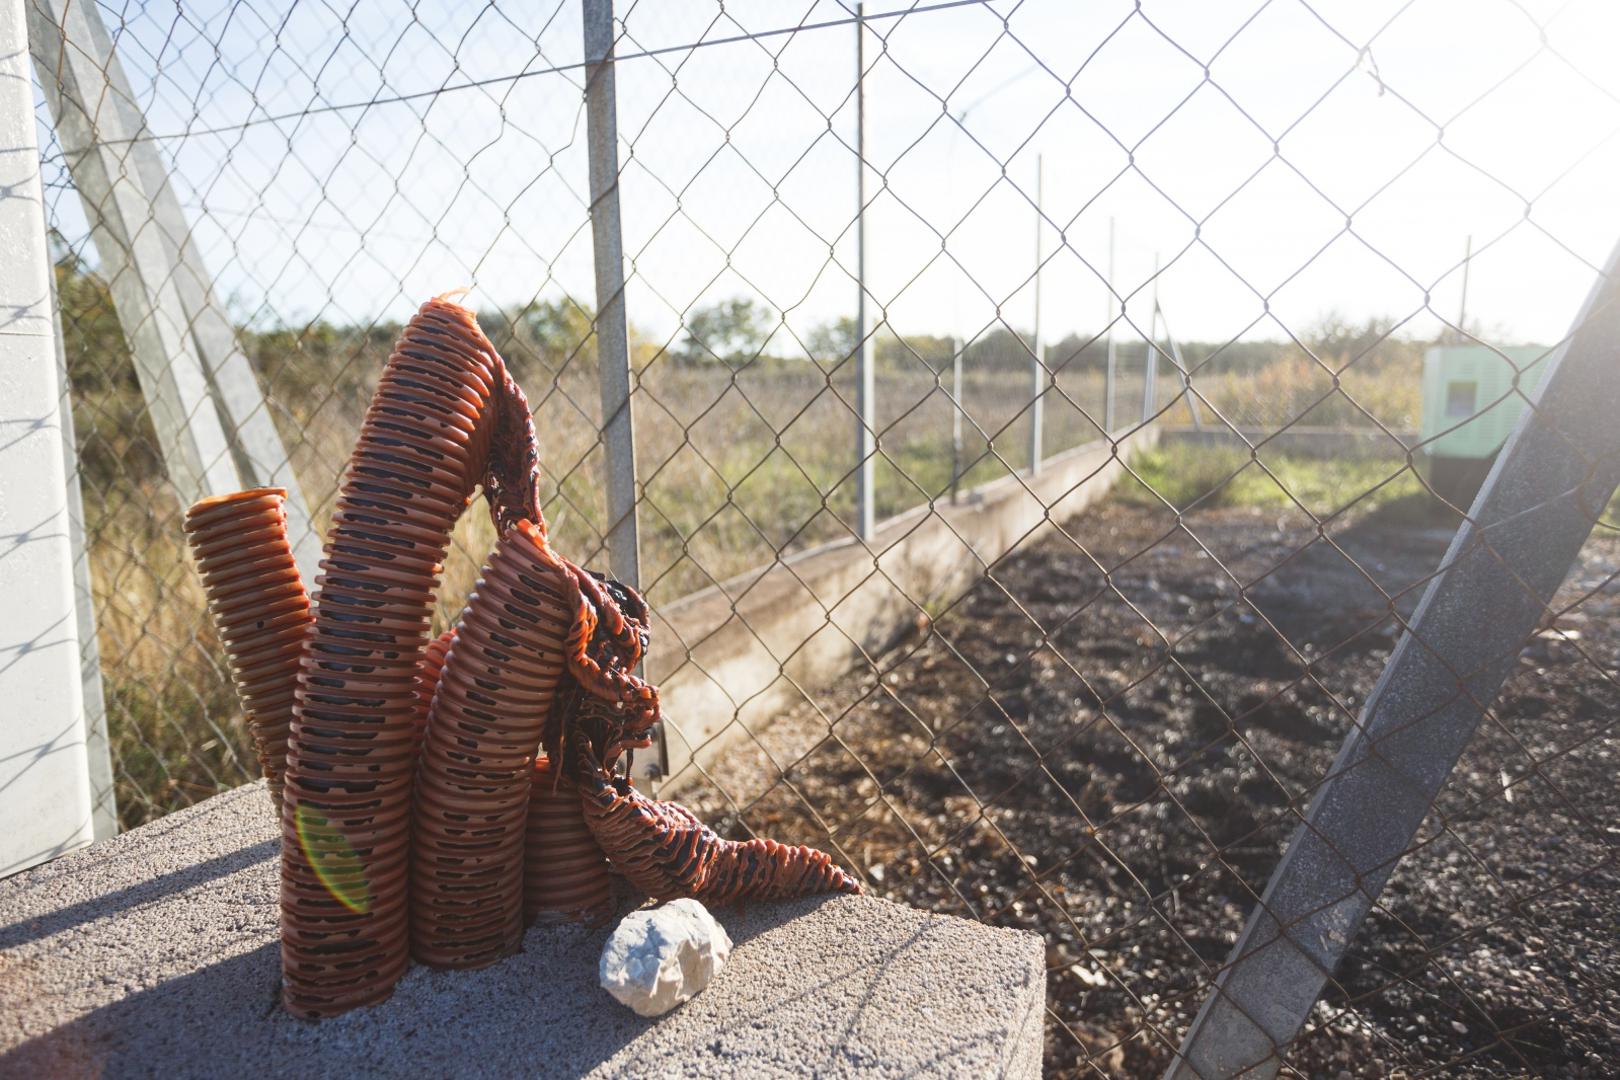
point(155, 954)
point(658, 957)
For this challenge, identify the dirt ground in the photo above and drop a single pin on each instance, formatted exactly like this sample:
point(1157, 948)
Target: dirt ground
point(1136, 794)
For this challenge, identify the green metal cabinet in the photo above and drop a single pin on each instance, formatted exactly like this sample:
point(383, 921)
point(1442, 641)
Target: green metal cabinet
point(1460, 381)
point(1469, 407)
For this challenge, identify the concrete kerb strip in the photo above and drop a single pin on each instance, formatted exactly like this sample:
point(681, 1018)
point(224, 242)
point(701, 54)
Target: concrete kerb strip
point(718, 655)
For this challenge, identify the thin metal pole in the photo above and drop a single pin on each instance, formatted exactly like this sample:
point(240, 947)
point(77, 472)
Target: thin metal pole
point(1108, 379)
point(1181, 370)
point(1150, 362)
point(865, 388)
point(1037, 365)
point(612, 335)
point(612, 338)
point(956, 417)
point(1462, 305)
point(1555, 475)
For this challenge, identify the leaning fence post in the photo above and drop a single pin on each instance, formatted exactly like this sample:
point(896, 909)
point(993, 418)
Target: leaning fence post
point(1551, 483)
point(612, 334)
point(1181, 369)
point(193, 443)
point(210, 416)
point(45, 799)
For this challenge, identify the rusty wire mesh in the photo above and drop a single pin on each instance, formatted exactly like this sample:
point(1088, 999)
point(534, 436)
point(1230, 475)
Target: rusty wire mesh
point(1107, 727)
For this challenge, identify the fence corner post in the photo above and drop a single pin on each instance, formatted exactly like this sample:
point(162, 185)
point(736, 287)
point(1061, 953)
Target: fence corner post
point(97, 740)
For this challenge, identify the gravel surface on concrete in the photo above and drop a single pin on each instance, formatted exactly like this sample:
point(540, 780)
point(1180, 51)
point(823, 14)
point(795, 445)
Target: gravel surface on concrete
point(155, 954)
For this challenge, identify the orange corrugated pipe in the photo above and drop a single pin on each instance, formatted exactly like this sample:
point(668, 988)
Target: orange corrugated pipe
point(423, 447)
point(565, 873)
point(259, 608)
point(475, 773)
point(353, 709)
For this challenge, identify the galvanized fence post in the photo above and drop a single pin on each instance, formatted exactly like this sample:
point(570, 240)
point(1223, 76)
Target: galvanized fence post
point(612, 333)
point(1186, 392)
point(210, 416)
point(956, 418)
point(1150, 359)
point(45, 798)
point(1037, 362)
point(1550, 485)
point(1108, 378)
point(865, 385)
point(612, 336)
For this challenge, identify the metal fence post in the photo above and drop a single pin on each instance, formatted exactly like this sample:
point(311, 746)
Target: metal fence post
point(1150, 360)
point(44, 779)
point(1037, 363)
point(612, 333)
point(612, 337)
point(865, 385)
point(956, 417)
point(1108, 378)
point(215, 429)
point(1551, 483)
point(1181, 368)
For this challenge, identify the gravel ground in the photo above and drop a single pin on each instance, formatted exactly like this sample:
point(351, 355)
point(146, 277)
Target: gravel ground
point(1118, 768)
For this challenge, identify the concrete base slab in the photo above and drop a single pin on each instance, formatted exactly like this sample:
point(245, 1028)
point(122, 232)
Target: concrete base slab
point(156, 954)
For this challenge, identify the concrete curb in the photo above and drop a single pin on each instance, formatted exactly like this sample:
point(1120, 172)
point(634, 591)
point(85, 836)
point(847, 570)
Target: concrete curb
point(155, 953)
point(731, 658)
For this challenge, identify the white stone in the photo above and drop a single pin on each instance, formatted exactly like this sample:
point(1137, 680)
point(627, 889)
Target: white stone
point(659, 957)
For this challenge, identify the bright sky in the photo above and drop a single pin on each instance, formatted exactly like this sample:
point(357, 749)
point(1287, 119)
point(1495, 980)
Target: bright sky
point(1274, 157)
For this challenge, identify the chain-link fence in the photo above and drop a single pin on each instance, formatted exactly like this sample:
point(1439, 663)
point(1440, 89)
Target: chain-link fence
point(1180, 336)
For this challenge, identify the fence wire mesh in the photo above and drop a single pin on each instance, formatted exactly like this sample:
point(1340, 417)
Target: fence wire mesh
point(1368, 224)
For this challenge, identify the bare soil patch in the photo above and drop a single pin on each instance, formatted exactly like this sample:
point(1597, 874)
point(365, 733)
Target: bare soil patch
point(1117, 759)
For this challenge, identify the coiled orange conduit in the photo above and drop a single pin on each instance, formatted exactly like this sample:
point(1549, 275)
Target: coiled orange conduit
point(259, 609)
point(428, 671)
point(664, 850)
point(498, 838)
point(565, 874)
point(422, 448)
point(473, 782)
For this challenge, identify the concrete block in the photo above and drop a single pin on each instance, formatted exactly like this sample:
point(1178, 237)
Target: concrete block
point(155, 954)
